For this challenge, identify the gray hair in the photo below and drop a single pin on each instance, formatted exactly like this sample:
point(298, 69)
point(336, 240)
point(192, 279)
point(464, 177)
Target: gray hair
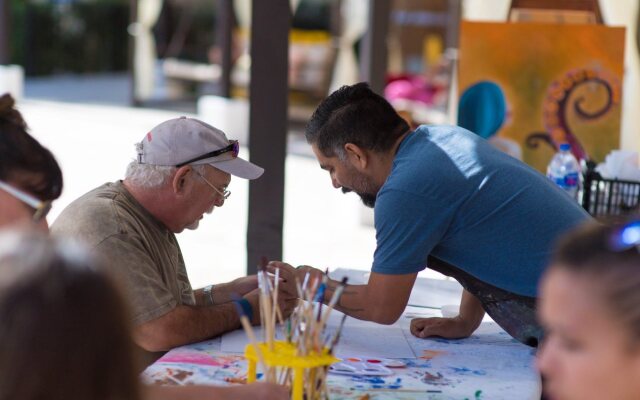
point(150, 176)
point(147, 175)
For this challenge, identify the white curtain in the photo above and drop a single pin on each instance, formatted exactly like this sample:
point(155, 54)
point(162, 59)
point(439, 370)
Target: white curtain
point(145, 52)
point(625, 13)
point(483, 10)
point(354, 17)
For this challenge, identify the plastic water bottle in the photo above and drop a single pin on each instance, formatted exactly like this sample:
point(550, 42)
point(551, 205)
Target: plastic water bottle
point(564, 171)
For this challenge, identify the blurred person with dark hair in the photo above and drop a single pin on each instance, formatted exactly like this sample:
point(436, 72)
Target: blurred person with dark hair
point(63, 326)
point(30, 178)
point(65, 331)
point(590, 309)
point(443, 199)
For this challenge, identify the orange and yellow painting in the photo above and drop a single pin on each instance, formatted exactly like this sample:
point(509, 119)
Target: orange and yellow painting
point(561, 83)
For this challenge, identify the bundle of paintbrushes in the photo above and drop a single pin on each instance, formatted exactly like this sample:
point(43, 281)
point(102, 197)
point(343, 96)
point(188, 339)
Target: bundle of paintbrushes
point(296, 352)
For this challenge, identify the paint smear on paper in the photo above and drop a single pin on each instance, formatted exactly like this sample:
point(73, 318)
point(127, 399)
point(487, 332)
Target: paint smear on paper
point(199, 358)
point(173, 377)
point(467, 371)
point(429, 354)
point(437, 380)
point(375, 382)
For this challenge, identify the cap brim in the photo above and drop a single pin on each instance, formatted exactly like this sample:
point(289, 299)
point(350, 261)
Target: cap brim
point(239, 167)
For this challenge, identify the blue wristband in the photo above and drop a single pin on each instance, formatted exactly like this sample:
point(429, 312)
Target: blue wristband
point(246, 308)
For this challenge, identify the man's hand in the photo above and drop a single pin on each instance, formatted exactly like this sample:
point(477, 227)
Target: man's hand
point(288, 275)
point(286, 303)
point(449, 328)
point(244, 285)
point(461, 326)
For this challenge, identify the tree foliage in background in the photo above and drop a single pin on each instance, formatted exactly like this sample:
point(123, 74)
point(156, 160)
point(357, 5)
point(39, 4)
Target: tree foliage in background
point(69, 37)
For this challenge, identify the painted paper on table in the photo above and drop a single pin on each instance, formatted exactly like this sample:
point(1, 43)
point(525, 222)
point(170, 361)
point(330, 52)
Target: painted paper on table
point(561, 83)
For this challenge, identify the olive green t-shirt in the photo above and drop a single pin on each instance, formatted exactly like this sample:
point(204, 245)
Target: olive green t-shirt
point(141, 251)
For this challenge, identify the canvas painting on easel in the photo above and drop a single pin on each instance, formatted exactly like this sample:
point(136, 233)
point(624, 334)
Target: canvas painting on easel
point(560, 83)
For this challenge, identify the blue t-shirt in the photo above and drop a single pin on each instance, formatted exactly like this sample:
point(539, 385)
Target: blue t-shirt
point(452, 195)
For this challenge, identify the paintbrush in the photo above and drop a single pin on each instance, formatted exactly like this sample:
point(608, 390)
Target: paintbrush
point(299, 289)
point(276, 306)
point(265, 303)
point(334, 300)
point(246, 324)
point(336, 336)
point(395, 390)
point(305, 281)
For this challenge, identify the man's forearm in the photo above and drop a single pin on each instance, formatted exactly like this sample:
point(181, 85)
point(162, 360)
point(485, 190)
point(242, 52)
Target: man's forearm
point(186, 324)
point(352, 301)
point(220, 293)
point(356, 302)
point(381, 300)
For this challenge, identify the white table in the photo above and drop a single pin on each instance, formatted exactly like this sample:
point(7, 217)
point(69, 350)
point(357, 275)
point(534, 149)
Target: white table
point(487, 365)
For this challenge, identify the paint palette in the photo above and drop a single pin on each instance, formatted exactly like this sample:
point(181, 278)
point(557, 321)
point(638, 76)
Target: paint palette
point(358, 367)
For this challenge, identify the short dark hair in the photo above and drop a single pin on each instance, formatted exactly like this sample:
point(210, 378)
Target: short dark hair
point(354, 114)
point(590, 252)
point(65, 325)
point(23, 160)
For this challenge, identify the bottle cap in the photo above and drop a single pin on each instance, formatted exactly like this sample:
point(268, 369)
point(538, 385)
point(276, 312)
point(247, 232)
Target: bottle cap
point(565, 147)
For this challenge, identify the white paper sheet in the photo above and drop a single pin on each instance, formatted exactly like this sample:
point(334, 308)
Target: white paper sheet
point(427, 292)
point(358, 339)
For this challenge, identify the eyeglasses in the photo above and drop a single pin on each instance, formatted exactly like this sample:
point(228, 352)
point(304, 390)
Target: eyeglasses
point(225, 194)
point(41, 208)
point(233, 147)
point(626, 237)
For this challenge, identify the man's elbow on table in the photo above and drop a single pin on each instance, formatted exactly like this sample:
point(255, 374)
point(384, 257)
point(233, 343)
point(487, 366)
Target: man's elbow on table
point(384, 315)
point(160, 334)
point(152, 337)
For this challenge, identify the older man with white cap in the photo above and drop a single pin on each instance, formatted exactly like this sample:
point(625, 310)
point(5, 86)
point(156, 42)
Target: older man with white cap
point(182, 171)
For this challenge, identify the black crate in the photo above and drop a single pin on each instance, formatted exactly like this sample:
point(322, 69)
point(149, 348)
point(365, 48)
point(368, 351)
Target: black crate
point(609, 197)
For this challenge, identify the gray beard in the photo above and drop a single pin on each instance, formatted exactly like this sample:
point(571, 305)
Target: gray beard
point(193, 226)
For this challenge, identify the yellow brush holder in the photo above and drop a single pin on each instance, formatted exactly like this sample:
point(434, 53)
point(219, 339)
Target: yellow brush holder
point(283, 355)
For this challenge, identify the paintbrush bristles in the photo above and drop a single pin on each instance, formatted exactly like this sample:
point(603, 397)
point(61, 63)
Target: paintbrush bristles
point(305, 329)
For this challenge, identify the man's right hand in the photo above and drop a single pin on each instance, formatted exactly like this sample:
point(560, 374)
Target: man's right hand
point(289, 274)
point(286, 304)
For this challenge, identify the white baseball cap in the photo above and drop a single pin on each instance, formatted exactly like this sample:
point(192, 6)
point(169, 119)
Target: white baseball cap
point(188, 141)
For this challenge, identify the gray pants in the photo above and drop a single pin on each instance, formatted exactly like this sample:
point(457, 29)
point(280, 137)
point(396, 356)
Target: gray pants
point(516, 314)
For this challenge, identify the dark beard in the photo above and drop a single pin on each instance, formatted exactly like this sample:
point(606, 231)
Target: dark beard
point(368, 199)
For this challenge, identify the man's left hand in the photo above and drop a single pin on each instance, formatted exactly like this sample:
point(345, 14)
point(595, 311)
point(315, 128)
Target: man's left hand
point(449, 328)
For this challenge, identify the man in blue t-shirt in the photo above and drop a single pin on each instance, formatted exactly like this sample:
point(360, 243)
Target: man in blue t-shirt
point(444, 199)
